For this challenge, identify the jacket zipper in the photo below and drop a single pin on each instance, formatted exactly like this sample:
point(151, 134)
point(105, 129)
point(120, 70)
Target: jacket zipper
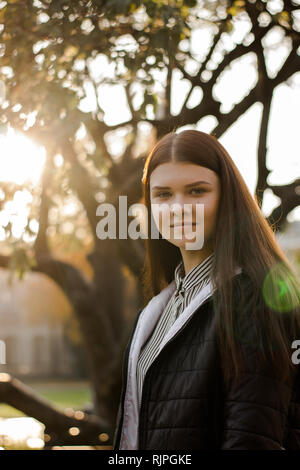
point(124, 386)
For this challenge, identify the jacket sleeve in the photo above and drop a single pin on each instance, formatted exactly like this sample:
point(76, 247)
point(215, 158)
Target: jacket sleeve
point(255, 408)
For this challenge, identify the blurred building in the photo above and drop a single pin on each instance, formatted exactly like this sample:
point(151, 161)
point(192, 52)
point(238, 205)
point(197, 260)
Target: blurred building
point(36, 349)
point(289, 241)
point(33, 315)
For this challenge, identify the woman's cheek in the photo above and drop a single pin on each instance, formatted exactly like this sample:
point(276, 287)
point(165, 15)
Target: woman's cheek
point(161, 216)
point(210, 214)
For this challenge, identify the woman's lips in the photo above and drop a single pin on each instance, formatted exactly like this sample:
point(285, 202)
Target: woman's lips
point(182, 225)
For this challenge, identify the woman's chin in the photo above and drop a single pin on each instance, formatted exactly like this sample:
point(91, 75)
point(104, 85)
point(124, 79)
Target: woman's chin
point(183, 242)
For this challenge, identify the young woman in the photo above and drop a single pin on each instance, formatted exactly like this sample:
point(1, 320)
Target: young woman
point(211, 362)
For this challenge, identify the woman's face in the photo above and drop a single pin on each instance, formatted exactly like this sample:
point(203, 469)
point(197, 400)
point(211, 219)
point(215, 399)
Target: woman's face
point(184, 202)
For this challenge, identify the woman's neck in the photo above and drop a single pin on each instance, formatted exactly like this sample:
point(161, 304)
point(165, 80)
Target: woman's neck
point(191, 258)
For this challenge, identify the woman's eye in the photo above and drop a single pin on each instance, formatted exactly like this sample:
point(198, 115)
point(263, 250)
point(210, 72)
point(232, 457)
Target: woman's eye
point(198, 190)
point(165, 194)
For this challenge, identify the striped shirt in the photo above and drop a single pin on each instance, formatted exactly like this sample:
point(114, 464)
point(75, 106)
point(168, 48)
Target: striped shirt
point(186, 288)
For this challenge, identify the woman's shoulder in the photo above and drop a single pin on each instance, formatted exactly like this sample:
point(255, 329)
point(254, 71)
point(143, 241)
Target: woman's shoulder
point(254, 309)
point(250, 311)
point(246, 289)
point(275, 294)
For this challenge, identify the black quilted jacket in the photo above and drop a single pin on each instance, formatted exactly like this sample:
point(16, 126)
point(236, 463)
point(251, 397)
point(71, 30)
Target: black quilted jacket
point(186, 406)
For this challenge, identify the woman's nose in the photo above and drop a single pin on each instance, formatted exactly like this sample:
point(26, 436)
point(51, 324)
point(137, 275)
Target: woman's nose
point(180, 206)
point(178, 199)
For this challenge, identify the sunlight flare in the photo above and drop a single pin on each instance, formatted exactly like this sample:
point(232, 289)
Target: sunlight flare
point(21, 159)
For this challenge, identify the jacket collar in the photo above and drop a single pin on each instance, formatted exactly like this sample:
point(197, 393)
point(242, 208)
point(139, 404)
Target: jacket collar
point(151, 313)
point(196, 275)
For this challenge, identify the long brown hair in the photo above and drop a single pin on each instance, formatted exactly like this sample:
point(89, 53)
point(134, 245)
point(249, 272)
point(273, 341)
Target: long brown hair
point(242, 238)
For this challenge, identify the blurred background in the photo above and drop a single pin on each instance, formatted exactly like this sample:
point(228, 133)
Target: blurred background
point(86, 89)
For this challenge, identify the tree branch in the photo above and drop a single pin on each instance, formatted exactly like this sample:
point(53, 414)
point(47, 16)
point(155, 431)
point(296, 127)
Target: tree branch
point(263, 172)
point(226, 120)
point(290, 198)
point(91, 429)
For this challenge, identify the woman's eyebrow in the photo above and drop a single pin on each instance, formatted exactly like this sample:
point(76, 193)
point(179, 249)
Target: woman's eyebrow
point(186, 186)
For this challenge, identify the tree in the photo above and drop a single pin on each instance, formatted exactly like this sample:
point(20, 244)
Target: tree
point(49, 66)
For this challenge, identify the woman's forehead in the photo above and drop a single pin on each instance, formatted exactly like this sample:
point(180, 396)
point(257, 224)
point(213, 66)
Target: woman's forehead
point(180, 173)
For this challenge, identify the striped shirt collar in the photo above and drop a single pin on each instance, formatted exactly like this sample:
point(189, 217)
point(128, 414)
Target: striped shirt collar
point(197, 274)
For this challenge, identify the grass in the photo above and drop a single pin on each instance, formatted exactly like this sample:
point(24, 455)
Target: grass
point(69, 394)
